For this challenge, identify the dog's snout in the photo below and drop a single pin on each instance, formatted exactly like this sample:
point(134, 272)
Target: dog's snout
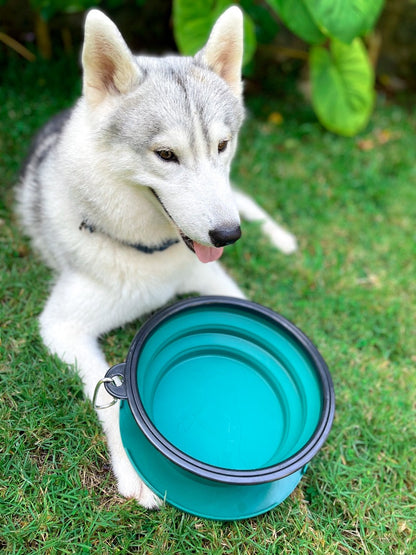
point(223, 236)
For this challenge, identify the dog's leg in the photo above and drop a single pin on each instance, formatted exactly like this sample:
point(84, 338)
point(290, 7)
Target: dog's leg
point(251, 211)
point(210, 279)
point(77, 312)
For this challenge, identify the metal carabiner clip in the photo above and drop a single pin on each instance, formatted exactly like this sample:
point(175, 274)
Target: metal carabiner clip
point(97, 388)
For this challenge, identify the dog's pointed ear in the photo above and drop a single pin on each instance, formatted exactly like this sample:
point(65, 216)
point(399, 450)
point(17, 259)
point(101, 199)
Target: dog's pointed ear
point(223, 53)
point(109, 66)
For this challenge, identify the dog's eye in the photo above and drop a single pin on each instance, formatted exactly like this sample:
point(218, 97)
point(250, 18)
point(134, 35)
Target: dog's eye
point(222, 145)
point(167, 155)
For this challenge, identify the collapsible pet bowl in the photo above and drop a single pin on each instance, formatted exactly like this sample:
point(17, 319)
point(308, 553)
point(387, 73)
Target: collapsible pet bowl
point(225, 403)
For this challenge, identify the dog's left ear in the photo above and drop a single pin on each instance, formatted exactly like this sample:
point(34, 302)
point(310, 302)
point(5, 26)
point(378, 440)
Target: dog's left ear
point(223, 53)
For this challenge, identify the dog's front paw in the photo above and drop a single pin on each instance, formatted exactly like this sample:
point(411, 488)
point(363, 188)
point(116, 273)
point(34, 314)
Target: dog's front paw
point(141, 493)
point(131, 486)
point(280, 238)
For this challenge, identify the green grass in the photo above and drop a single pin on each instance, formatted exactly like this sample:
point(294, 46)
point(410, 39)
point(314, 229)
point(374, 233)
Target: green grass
point(351, 288)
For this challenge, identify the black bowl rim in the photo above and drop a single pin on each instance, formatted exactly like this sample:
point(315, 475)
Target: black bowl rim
point(229, 476)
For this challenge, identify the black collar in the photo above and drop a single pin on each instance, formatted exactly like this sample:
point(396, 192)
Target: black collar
point(138, 246)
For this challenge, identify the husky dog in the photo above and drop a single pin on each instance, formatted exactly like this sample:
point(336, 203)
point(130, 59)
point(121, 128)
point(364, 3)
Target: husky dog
point(127, 197)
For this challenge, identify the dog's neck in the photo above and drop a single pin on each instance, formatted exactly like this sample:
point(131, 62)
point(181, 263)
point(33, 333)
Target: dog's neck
point(146, 249)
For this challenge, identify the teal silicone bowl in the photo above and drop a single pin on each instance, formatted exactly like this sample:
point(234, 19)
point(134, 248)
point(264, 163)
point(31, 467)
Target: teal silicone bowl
point(224, 404)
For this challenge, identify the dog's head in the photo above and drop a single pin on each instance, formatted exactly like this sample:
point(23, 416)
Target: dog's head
point(174, 121)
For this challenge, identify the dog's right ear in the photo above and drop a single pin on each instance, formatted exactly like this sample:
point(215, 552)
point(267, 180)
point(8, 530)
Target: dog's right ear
point(109, 66)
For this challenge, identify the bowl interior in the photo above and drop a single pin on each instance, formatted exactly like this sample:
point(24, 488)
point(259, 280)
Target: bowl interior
point(229, 387)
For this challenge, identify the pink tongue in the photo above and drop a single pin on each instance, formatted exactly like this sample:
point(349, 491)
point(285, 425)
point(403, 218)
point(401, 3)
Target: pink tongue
point(207, 254)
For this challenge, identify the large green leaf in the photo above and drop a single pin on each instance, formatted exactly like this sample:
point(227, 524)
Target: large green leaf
point(194, 19)
point(296, 16)
point(342, 86)
point(344, 19)
point(266, 27)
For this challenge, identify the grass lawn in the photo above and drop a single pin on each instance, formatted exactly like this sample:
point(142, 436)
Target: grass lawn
point(351, 287)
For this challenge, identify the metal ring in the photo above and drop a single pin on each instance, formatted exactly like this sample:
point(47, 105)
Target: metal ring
point(97, 387)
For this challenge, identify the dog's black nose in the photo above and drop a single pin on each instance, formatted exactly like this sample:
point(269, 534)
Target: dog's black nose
point(223, 236)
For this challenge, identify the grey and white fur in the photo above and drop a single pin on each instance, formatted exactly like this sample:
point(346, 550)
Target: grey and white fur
point(127, 197)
